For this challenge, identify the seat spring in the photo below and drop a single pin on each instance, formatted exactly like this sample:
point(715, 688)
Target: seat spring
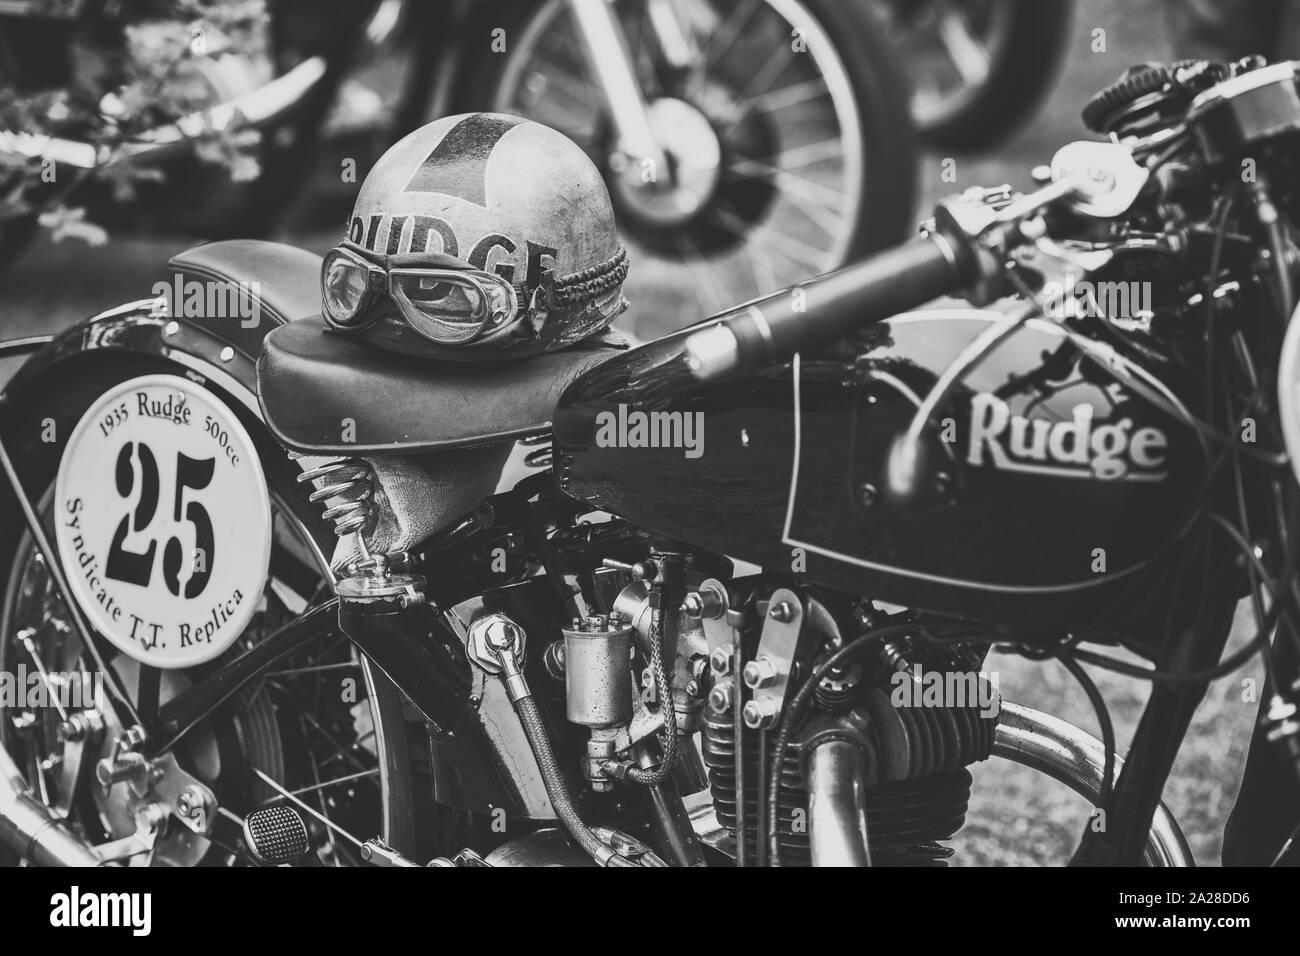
point(352, 482)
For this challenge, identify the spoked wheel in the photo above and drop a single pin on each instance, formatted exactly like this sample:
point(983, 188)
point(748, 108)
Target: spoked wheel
point(979, 67)
point(317, 723)
point(782, 122)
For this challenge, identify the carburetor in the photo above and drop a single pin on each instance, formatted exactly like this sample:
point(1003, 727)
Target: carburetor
point(598, 687)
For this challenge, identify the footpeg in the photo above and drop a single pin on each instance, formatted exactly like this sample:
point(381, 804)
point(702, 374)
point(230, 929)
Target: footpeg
point(276, 835)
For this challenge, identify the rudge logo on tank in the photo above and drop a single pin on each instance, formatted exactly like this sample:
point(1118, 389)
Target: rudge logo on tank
point(163, 521)
point(1078, 447)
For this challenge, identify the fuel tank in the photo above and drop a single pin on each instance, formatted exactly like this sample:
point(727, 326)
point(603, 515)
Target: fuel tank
point(1054, 487)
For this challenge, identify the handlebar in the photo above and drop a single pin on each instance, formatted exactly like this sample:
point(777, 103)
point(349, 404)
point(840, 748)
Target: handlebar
point(829, 307)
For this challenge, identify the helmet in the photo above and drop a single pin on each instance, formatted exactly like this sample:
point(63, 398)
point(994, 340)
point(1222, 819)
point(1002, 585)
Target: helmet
point(478, 236)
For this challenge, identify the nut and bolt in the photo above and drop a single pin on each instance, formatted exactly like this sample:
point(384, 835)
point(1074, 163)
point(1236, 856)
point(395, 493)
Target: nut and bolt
point(86, 726)
point(760, 714)
point(192, 802)
point(720, 698)
point(720, 661)
point(782, 612)
point(705, 603)
point(759, 673)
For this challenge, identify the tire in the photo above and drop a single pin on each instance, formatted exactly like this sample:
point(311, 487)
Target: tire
point(403, 793)
point(881, 209)
point(1022, 67)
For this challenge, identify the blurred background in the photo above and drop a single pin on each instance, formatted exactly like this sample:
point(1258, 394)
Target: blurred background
point(56, 277)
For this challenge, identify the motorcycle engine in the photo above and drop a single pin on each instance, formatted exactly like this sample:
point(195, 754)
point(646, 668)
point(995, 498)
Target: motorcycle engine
point(894, 703)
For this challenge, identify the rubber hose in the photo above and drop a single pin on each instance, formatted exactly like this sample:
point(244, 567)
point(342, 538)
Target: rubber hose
point(531, 719)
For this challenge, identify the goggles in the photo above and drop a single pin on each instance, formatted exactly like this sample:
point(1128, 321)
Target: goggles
point(443, 298)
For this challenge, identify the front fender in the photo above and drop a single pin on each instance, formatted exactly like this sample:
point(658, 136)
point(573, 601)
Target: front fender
point(284, 281)
point(142, 329)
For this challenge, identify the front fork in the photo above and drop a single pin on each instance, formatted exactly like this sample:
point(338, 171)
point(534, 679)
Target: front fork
point(611, 60)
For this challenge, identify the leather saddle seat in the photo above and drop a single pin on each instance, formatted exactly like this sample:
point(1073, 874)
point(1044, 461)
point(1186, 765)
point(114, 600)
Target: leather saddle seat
point(328, 394)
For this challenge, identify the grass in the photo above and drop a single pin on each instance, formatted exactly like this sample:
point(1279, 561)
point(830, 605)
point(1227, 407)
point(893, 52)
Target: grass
point(1019, 817)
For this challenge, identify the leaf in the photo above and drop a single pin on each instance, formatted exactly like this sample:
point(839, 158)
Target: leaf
point(65, 223)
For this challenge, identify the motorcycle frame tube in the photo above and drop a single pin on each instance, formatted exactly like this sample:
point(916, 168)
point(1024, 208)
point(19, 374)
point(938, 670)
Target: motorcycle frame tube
point(1075, 758)
point(197, 348)
point(837, 805)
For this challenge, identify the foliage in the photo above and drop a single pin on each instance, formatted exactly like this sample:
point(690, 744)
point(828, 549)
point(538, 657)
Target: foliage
point(136, 66)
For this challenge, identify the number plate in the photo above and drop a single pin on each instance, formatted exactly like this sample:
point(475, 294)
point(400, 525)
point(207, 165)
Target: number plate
point(163, 521)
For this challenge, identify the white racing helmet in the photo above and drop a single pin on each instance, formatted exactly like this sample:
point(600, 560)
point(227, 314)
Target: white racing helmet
point(478, 236)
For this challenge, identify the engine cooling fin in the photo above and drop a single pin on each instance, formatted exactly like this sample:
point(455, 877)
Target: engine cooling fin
point(907, 820)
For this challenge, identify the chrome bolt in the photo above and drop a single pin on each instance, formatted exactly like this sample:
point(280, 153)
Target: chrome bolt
point(759, 673)
point(704, 604)
point(720, 661)
point(721, 696)
point(781, 612)
point(760, 714)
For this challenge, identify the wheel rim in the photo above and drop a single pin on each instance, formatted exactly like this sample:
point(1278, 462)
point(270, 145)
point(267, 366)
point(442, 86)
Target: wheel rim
point(786, 200)
point(282, 724)
point(952, 46)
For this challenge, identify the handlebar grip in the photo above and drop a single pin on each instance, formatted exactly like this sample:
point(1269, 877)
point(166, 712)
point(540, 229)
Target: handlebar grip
point(827, 307)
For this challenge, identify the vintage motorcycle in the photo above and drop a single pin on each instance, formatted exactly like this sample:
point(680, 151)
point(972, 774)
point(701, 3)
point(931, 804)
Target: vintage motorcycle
point(686, 603)
point(979, 68)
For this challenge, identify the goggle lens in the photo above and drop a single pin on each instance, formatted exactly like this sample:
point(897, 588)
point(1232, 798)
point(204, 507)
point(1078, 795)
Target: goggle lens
point(452, 309)
point(343, 287)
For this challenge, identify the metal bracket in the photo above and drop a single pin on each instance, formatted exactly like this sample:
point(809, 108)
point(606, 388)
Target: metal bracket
point(768, 674)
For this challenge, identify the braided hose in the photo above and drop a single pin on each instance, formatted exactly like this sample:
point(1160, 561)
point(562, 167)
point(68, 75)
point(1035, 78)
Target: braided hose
point(531, 720)
point(663, 690)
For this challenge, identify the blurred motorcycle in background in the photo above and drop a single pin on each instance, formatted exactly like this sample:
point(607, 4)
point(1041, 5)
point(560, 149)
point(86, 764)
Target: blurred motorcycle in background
point(748, 143)
point(979, 67)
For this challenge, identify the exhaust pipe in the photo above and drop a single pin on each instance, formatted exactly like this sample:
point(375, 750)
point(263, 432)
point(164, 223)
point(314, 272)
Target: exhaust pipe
point(837, 805)
point(1077, 759)
point(29, 828)
point(837, 821)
